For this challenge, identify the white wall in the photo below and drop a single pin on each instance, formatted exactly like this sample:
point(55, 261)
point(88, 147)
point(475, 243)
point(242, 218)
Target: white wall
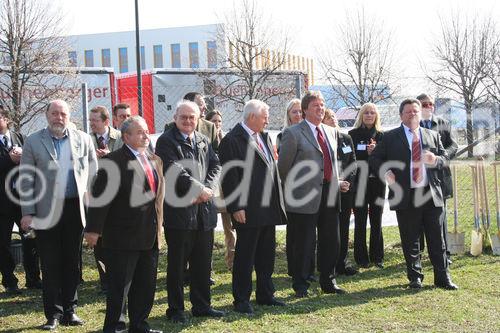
point(148, 38)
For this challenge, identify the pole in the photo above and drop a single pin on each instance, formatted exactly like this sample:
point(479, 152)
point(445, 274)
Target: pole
point(85, 109)
point(138, 57)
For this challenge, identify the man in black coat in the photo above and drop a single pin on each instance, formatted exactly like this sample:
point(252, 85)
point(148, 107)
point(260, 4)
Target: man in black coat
point(443, 127)
point(192, 171)
point(10, 155)
point(410, 158)
point(253, 196)
point(129, 226)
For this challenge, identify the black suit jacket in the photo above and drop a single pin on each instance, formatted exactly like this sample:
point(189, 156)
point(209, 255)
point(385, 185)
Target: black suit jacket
point(121, 225)
point(443, 127)
point(6, 165)
point(172, 148)
point(347, 158)
point(263, 182)
point(394, 148)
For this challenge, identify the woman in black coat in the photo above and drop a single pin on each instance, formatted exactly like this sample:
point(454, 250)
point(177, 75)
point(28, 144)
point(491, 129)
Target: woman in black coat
point(366, 134)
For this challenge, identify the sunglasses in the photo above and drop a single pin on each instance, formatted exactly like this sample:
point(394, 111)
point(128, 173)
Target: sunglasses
point(427, 104)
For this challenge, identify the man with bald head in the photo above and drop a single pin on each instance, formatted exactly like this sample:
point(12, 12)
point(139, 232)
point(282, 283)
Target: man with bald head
point(56, 167)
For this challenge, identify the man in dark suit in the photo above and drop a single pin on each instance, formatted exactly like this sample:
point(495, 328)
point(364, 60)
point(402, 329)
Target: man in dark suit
point(308, 165)
point(129, 226)
point(253, 196)
point(10, 155)
point(410, 158)
point(192, 171)
point(443, 127)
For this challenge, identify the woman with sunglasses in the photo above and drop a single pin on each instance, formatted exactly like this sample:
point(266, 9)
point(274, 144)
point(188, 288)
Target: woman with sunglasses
point(366, 134)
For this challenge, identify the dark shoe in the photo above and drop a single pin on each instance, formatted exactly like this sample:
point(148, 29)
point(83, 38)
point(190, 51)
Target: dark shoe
point(415, 284)
point(364, 265)
point(176, 317)
point(448, 285)
point(153, 331)
point(13, 290)
point(349, 271)
point(50, 325)
point(34, 285)
point(211, 312)
point(272, 302)
point(312, 278)
point(71, 319)
point(333, 289)
point(212, 281)
point(301, 293)
point(243, 307)
point(379, 265)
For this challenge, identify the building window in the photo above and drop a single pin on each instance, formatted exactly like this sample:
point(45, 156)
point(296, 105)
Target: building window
point(143, 58)
point(89, 58)
point(72, 58)
point(175, 50)
point(157, 56)
point(211, 54)
point(194, 59)
point(106, 58)
point(123, 59)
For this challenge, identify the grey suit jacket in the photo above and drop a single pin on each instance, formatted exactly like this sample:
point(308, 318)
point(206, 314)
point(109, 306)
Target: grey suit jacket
point(115, 139)
point(297, 145)
point(395, 148)
point(38, 195)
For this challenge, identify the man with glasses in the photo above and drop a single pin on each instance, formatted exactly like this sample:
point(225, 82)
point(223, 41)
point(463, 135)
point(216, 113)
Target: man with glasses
point(121, 112)
point(443, 127)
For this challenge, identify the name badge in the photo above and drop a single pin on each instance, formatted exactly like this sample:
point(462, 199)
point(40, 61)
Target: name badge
point(346, 150)
point(361, 146)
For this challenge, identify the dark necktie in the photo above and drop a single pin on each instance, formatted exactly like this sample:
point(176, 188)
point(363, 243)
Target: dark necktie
point(327, 160)
point(428, 124)
point(5, 141)
point(261, 147)
point(100, 143)
point(416, 154)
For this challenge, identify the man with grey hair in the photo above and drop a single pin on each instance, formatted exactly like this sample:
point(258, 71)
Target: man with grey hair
point(56, 167)
point(129, 227)
point(192, 174)
point(253, 217)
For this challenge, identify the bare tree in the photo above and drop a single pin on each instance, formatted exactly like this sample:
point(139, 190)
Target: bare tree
point(253, 52)
point(360, 65)
point(32, 55)
point(464, 54)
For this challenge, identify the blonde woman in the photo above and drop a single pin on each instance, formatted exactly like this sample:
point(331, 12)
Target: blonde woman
point(293, 115)
point(366, 134)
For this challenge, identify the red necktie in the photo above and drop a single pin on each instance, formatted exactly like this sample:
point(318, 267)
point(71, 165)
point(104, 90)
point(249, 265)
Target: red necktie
point(416, 154)
point(261, 147)
point(327, 161)
point(149, 172)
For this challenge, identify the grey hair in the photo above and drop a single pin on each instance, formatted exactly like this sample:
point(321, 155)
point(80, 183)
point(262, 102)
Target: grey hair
point(254, 106)
point(129, 122)
point(425, 96)
point(187, 103)
point(58, 101)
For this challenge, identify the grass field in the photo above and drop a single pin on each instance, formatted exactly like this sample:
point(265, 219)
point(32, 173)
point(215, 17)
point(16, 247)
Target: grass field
point(377, 300)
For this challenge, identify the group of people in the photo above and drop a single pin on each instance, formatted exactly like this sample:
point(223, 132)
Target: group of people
point(123, 195)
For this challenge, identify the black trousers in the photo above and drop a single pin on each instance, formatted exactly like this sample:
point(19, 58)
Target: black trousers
point(444, 221)
point(59, 249)
point(326, 220)
point(255, 248)
point(344, 221)
point(99, 256)
point(375, 189)
point(194, 246)
point(132, 277)
point(9, 216)
point(412, 222)
point(290, 240)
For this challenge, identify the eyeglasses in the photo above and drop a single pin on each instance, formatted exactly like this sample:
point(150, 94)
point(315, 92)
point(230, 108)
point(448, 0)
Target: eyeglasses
point(427, 104)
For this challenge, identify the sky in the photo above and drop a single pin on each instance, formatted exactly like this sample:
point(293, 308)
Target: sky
point(310, 23)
